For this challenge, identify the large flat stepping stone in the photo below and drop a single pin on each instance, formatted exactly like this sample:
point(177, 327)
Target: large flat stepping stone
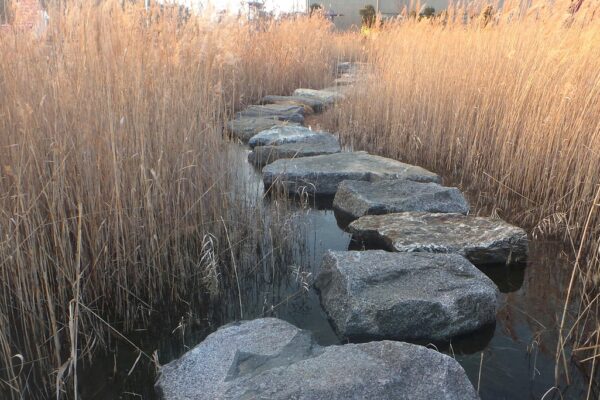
point(357, 198)
point(348, 80)
point(405, 296)
point(272, 359)
point(282, 112)
point(245, 128)
point(321, 175)
point(481, 240)
point(315, 104)
point(351, 67)
point(282, 134)
point(310, 146)
point(328, 96)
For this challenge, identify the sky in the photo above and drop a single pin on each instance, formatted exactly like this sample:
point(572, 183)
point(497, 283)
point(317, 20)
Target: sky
point(271, 5)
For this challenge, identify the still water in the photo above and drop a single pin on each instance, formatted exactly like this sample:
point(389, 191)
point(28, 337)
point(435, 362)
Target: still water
point(512, 360)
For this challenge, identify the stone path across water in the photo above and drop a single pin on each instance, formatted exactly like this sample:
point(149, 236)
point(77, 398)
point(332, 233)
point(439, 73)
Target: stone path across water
point(269, 358)
point(410, 292)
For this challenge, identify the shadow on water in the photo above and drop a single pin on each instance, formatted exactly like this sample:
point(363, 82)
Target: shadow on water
point(513, 359)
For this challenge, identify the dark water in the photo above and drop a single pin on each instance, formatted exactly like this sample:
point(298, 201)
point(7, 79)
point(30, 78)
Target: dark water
point(512, 360)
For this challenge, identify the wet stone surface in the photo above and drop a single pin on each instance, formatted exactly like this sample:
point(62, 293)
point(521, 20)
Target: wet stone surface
point(355, 199)
point(272, 359)
point(479, 239)
point(321, 175)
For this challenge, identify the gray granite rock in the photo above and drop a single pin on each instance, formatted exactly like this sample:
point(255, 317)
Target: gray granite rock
point(282, 134)
point(246, 127)
point(282, 112)
point(328, 97)
point(357, 198)
point(352, 68)
point(311, 146)
point(406, 296)
point(479, 239)
point(271, 359)
point(315, 104)
point(347, 79)
point(321, 175)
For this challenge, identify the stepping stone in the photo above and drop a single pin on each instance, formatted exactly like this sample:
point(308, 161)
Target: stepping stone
point(246, 127)
point(321, 175)
point(347, 80)
point(310, 146)
point(328, 96)
point(405, 296)
point(282, 134)
point(282, 112)
point(272, 359)
point(357, 198)
point(315, 104)
point(351, 67)
point(481, 240)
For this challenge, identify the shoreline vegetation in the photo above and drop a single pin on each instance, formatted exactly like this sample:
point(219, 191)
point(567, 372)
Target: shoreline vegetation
point(119, 196)
point(505, 104)
point(117, 191)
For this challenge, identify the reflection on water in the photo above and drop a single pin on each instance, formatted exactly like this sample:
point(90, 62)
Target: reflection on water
point(512, 360)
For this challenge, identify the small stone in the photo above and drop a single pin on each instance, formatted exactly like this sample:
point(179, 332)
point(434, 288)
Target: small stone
point(405, 296)
point(355, 199)
point(479, 239)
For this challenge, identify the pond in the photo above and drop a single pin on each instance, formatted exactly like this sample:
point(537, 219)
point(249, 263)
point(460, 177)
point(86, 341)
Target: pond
point(512, 360)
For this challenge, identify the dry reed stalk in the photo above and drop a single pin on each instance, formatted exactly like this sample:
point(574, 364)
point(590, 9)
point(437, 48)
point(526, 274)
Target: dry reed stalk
point(505, 103)
point(113, 171)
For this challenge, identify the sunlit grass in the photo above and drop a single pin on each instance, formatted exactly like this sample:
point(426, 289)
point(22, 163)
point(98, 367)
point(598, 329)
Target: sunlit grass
point(505, 104)
point(117, 192)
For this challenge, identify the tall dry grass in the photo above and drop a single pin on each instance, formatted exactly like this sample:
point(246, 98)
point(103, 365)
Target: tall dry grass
point(118, 194)
point(507, 104)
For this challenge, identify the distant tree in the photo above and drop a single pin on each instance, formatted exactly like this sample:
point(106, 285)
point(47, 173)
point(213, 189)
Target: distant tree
point(368, 15)
point(315, 8)
point(5, 11)
point(428, 12)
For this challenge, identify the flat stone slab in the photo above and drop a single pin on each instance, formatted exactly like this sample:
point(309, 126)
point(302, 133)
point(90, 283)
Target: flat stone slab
point(348, 79)
point(321, 175)
point(479, 239)
point(406, 296)
point(245, 128)
point(351, 67)
point(272, 359)
point(282, 112)
point(357, 198)
point(282, 134)
point(315, 104)
point(310, 146)
point(328, 97)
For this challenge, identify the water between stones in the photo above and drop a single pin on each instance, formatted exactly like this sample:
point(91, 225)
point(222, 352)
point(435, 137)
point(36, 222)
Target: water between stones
point(512, 360)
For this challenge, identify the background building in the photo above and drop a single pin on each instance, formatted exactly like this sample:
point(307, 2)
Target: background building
point(348, 10)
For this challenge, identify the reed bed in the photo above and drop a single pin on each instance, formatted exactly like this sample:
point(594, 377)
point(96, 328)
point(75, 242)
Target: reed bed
point(505, 103)
point(118, 194)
